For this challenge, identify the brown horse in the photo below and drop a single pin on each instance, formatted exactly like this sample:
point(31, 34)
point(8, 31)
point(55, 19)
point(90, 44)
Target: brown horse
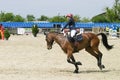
point(90, 42)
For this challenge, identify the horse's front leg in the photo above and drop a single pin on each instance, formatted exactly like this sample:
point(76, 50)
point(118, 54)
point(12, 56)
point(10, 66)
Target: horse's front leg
point(76, 64)
point(71, 57)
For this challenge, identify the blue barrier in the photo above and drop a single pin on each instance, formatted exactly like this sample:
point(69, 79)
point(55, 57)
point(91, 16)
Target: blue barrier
point(51, 24)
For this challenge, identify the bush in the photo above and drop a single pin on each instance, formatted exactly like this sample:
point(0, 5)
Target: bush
point(6, 34)
point(35, 30)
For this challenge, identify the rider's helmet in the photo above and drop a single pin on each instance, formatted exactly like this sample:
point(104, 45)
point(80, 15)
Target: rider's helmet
point(69, 15)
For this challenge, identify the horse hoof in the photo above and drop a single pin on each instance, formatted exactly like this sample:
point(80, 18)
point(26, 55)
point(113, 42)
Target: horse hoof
point(101, 67)
point(76, 71)
point(78, 63)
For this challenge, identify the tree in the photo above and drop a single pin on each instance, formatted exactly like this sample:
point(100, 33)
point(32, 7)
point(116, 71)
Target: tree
point(113, 14)
point(110, 15)
point(18, 18)
point(7, 17)
point(2, 16)
point(43, 18)
point(84, 19)
point(57, 19)
point(100, 18)
point(30, 17)
point(77, 18)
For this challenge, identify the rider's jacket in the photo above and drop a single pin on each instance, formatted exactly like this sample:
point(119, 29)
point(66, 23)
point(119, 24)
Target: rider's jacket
point(70, 24)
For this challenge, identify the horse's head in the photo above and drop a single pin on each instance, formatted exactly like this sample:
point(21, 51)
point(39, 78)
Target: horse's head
point(49, 40)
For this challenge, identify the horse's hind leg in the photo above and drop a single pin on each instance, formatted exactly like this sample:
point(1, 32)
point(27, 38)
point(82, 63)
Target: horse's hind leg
point(100, 60)
point(97, 55)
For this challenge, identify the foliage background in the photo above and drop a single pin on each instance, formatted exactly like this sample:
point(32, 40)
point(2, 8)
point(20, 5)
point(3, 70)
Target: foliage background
point(109, 15)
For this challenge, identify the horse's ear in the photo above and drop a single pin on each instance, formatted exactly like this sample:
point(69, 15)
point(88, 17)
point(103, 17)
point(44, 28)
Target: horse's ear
point(45, 33)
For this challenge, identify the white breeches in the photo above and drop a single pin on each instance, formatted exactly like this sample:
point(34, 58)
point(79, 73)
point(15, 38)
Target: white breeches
point(73, 32)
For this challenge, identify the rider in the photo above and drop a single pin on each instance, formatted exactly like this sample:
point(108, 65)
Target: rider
point(2, 31)
point(71, 25)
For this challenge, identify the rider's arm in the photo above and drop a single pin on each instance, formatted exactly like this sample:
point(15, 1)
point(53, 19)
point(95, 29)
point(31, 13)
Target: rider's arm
point(67, 24)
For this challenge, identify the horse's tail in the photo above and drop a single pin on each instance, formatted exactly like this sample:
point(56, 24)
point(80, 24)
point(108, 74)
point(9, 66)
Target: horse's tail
point(105, 41)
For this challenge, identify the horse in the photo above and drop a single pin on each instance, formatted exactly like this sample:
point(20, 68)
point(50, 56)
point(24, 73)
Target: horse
point(90, 43)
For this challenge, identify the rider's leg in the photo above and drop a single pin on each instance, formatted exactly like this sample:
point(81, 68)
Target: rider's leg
point(72, 33)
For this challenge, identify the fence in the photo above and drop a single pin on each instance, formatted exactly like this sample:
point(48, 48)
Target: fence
point(14, 27)
point(53, 24)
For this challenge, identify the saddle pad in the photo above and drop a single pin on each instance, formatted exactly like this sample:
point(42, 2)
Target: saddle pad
point(78, 37)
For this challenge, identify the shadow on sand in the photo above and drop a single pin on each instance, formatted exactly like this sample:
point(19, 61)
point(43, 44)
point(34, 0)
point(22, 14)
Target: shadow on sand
point(88, 71)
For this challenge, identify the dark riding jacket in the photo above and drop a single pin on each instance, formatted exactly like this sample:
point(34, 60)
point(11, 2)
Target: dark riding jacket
point(70, 24)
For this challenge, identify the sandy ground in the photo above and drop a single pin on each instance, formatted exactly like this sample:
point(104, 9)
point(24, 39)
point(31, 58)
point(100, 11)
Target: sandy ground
point(26, 58)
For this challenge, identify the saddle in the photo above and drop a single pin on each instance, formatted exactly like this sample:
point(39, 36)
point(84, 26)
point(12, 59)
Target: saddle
point(77, 38)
